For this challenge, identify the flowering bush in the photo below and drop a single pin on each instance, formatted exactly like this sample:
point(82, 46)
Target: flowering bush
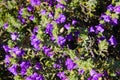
point(59, 39)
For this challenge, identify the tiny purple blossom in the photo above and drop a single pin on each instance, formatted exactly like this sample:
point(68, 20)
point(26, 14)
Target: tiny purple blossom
point(31, 17)
point(110, 7)
point(67, 26)
point(61, 19)
point(114, 21)
point(81, 71)
point(112, 41)
point(94, 75)
point(49, 29)
point(6, 48)
point(5, 25)
point(47, 51)
point(117, 9)
point(106, 18)
point(7, 59)
point(20, 11)
point(61, 40)
point(60, 6)
point(74, 22)
point(30, 8)
point(99, 28)
point(38, 66)
point(70, 64)
point(14, 36)
point(35, 30)
point(13, 69)
point(18, 51)
point(62, 76)
point(57, 66)
point(35, 2)
point(43, 12)
point(51, 15)
point(92, 72)
point(91, 29)
point(24, 66)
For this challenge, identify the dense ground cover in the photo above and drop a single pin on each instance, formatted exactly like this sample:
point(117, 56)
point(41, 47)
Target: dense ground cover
point(59, 39)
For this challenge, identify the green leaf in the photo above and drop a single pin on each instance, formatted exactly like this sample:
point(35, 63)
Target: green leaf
point(17, 77)
point(103, 45)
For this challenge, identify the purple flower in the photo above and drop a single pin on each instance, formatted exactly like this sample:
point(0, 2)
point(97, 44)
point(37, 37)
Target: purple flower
point(74, 22)
point(117, 9)
point(70, 64)
point(91, 29)
point(18, 51)
point(5, 25)
point(13, 69)
point(118, 73)
point(62, 76)
point(106, 18)
point(69, 37)
point(24, 66)
point(110, 7)
point(35, 42)
point(57, 66)
point(99, 28)
point(20, 11)
point(35, 76)
point(61, 18)
point(112, 41)
point(14, 36)
point(28, 78)
point(67, 26)
point(6, 48)
point(47, 51)
point(114, 21)
point(81, 71)
point(31, 17)
point(7, 59)
point(38, 66)
point(51, 15)
point(35, 2)
point(58, 1)
point(30, 8)
point(94, 75)
point(23, 21)
point(43, 12)
point(61, 41)
point(49, 29)
point(92, 72)
point(35, 30)
point(60, 6)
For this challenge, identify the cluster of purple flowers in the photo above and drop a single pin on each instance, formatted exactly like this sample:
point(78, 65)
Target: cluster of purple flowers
point(13, 69)
point(24, 66)
point(35, 42)
point(70, 64)
point(94, 75)
point(62, 76)
point(48, 30)
point(67, 39)
point(61, 18)
point(22, 20)
point(35, 76)
point(107, 19)
point(35, 2)
point(61, 41)
point(47, 51)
